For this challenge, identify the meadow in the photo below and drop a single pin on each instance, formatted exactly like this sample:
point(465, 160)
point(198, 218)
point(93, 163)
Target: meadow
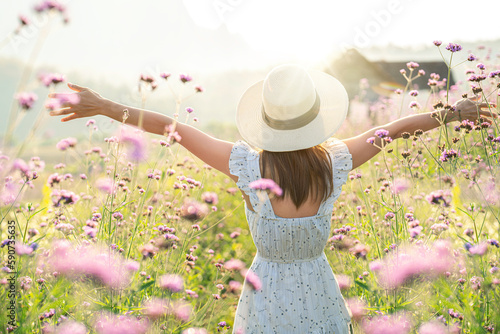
point(132, 234)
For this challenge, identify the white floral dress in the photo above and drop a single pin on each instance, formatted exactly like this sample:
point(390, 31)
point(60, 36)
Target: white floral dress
point(299, 292)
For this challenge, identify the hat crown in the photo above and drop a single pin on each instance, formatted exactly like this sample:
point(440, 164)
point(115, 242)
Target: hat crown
point(288, 93)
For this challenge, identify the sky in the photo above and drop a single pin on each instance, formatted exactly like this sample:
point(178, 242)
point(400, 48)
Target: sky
point(117, 39)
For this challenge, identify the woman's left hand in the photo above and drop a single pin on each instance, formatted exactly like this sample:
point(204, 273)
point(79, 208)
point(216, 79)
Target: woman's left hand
point(471, 110)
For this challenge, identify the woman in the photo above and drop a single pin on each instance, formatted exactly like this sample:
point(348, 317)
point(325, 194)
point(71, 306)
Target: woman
point(290, 116)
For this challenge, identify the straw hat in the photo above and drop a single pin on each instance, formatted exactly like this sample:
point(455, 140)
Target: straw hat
point(291, 109)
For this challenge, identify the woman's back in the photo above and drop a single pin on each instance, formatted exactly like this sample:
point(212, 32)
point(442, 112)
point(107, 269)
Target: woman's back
point(299, 293)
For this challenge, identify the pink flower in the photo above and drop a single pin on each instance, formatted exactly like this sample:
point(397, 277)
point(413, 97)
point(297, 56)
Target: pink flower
point(185, 78)
point(415, 261)
point(432, 327)
point(234, 264)
point(479, 249)
point(105, 185)
point(357, 307)
point(193, 330)
point(61, 100)
point(71, 327)
point(89, 261)
point(210, 198)
point(156, 308)
point(64, 144)
point(120, 324)
point(252, 279)
point(387, 324)
point(400, 185)
point(48, 79)
point(266, 184)
point(193, 210)
point(173, 283)
point(181, 310)
point(234, 286)
point(344, 281)
point(135, 139)
point(26, 100)
point(22, 249)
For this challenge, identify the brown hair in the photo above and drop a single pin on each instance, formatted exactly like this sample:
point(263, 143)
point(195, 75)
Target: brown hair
point(301, 174)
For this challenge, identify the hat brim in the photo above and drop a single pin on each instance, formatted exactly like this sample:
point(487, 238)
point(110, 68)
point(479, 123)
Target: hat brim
point(334, 104)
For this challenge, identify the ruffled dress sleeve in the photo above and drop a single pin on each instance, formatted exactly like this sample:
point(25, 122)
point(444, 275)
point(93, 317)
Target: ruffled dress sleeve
point(342, 163)
point(239, 165)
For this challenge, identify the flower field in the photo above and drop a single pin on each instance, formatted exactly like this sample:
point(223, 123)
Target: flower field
point(132, 234)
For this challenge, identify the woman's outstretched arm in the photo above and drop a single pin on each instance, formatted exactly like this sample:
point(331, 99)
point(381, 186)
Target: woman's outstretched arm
point(362, 151)
point(212, 151)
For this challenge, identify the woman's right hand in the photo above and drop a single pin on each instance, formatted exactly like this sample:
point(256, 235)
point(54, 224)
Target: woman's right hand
point(89, 104)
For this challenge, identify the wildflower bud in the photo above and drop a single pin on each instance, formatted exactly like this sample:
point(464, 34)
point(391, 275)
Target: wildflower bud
point(464, 96)
point(434, 114)
point(419, 132)
point(438, 105)
point(477, 90)
point(405, 135)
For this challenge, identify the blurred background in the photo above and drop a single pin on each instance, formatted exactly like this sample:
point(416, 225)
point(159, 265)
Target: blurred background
point(226, 45)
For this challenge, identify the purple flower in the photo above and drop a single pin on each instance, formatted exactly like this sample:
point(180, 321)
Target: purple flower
point(63, 196)
point(494, 74)
point(439, 196)
point(185, 78)
point(198, 89)
point(448, 154)
point(371, 140)
point(222, 324)
point(437, 43)
point(452, 47)
point(471, 57)
point(173, 283)
point(414, 93)
point(165, 75)
point(26, 100)
point(266, 184)
point(382, 133)
point(494, 242)
point(189, 110)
